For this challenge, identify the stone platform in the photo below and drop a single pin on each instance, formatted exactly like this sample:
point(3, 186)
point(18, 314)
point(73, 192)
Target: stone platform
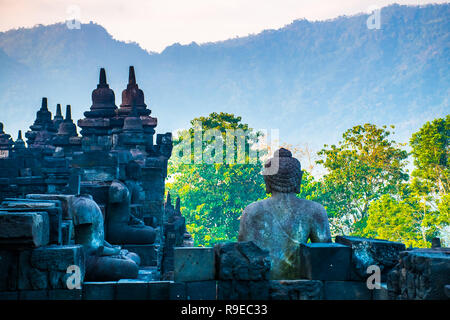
point(230, 271)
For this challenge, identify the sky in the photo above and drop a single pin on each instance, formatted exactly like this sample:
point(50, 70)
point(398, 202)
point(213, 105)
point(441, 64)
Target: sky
point(156, 24)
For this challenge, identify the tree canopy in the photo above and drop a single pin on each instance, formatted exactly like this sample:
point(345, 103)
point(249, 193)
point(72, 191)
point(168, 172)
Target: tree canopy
point(363, 166)
point(214, 194)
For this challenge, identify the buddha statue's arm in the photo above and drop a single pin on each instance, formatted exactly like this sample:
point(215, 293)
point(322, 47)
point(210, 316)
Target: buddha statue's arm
point(320, 228)
point(91, 245)
point(243, 233)
point(117, 192)
point(83, 236)
point(136, 221)
point(110, 250)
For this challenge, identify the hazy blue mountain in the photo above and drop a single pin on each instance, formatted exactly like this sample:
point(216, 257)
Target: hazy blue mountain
point(311, 80)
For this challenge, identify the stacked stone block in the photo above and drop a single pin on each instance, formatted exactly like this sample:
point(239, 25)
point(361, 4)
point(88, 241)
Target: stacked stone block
point(331, 264)
point(325, 261)
point(242, 271)
point(30, 267)
point(422, 274)
point(134, 290)
point(296, 290)
point(52, 208)
point(366, 252)
point(62, 204)
point(24, 229)
point(194, 272)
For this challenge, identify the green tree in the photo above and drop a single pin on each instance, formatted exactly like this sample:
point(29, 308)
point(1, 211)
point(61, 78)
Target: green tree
point(403, 218)
point(214, 194)
point(444, 227)
point(391, 219)
point(431, 176)
point(420, 210)
point(431, 152)
point(365, 165)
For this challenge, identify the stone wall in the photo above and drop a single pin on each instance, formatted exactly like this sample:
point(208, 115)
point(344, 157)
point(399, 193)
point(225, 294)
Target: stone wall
point(229, 271)
point(36, 250)
point(421, 274)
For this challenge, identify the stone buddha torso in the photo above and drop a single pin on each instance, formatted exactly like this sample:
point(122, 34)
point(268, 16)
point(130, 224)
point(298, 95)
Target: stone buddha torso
point(120, 199)
point(121, 226)
point(136, 192)
point(280, 224)
point(103, 261)
point(88, 214)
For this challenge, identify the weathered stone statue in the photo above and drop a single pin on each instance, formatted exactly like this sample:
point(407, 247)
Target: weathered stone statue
point(104, 262)
point(280, 223)
point(133, 176)
point(122, 226)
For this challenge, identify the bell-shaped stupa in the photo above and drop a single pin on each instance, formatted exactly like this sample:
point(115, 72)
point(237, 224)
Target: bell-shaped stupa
point(19, 144)
point(43, 119)
point(58, 118)
point(133, 96)
point(43, 129)
point(6, 143)
point(103, 100)
point(67, 127)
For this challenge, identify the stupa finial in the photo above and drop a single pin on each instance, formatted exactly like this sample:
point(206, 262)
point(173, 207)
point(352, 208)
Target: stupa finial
point(102, 80)
point(131, 76)
point(68, 112)
point(58, 110)
point(44, 106)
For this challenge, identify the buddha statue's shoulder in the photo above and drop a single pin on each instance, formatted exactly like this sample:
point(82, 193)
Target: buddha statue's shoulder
point(252, 220)
point(309, 205)
point(259, 206)
point(255, 212)
point(118, 191)
point(312, 209)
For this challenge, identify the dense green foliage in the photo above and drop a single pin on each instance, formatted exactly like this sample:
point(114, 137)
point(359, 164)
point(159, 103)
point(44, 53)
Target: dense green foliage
point(406, 220)
point(213, 195)
point(430, 149)
point(367, 191)
point(392, 219)
point(364, 166)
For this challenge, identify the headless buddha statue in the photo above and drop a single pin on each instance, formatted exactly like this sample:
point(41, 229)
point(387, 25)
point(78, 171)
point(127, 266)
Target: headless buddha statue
point(122, 226)
point(133, 173)
point(104, 262)
point(283, 221)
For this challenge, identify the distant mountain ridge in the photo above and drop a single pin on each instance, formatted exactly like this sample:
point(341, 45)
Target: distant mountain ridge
point(311, 80)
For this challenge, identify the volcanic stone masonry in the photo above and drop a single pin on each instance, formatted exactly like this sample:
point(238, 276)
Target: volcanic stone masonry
point(40, 181)
point(84, 217)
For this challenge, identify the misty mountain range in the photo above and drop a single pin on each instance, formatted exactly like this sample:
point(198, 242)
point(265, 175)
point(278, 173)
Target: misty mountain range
point(311, 80)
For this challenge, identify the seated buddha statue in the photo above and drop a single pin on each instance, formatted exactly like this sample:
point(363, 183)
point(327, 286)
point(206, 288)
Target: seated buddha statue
point(283, 221)
point(122, 227)
point(104, 262)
